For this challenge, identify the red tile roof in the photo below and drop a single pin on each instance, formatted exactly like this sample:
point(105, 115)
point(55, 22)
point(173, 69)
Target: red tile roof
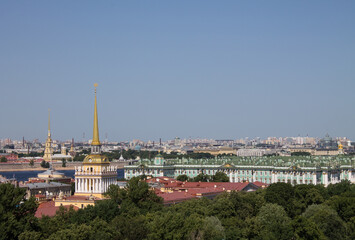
point(260, 184)
point(49, 209)
point(176, 191)
point(175, 197)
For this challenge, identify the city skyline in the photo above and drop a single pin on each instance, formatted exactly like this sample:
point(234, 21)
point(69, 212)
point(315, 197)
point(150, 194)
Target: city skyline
point(207, 70)
point(88, 140)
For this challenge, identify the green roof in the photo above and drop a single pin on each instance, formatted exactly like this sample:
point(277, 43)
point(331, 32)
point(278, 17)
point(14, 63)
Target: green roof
point(276, 161)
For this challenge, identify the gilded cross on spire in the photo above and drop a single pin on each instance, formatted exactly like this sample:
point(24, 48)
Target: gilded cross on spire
point(95, 138)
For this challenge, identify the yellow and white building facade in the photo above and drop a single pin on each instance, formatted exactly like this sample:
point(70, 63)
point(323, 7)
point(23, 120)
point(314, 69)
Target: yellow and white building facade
point(95, 175)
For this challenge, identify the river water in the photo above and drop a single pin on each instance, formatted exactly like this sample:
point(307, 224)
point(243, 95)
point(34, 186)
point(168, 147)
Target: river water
point(24, 175)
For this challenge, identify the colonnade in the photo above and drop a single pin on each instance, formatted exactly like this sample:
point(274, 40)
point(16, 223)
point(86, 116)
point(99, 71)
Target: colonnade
point(93, 185)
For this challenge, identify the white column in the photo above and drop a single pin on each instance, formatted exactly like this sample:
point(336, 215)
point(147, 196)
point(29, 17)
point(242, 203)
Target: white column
point(90, 184)
point(314, 178)
point(325, 178)
point(93, 184)
point(350, 172)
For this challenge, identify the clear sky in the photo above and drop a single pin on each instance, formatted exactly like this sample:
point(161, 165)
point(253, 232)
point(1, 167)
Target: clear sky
point(208, 69)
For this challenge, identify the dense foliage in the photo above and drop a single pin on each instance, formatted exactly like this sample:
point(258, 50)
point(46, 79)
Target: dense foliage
point(218, 177)
point(31, 154)
point(16, 213)
point(281, 211)
point(45, 164)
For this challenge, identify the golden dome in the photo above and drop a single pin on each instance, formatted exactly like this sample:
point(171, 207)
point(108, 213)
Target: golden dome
point(96, 159)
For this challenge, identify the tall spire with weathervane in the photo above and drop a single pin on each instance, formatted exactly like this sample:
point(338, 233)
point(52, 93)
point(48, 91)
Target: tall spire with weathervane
point(95, 144)
point(95, 175)
point(95, 138)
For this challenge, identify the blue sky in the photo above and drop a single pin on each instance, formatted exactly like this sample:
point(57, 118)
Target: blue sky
point(209, 69)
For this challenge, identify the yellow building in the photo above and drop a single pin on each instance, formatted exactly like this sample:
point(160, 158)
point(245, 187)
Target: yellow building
point(217, 151)
point(93, 178)
point(48, 151)
point(96, 174)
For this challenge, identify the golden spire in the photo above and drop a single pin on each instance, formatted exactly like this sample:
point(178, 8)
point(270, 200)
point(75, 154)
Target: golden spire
point(95, 138)
point(49, 122)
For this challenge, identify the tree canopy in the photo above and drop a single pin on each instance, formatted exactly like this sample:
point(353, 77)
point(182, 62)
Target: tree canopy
point(281, 211)
point(16, 213)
